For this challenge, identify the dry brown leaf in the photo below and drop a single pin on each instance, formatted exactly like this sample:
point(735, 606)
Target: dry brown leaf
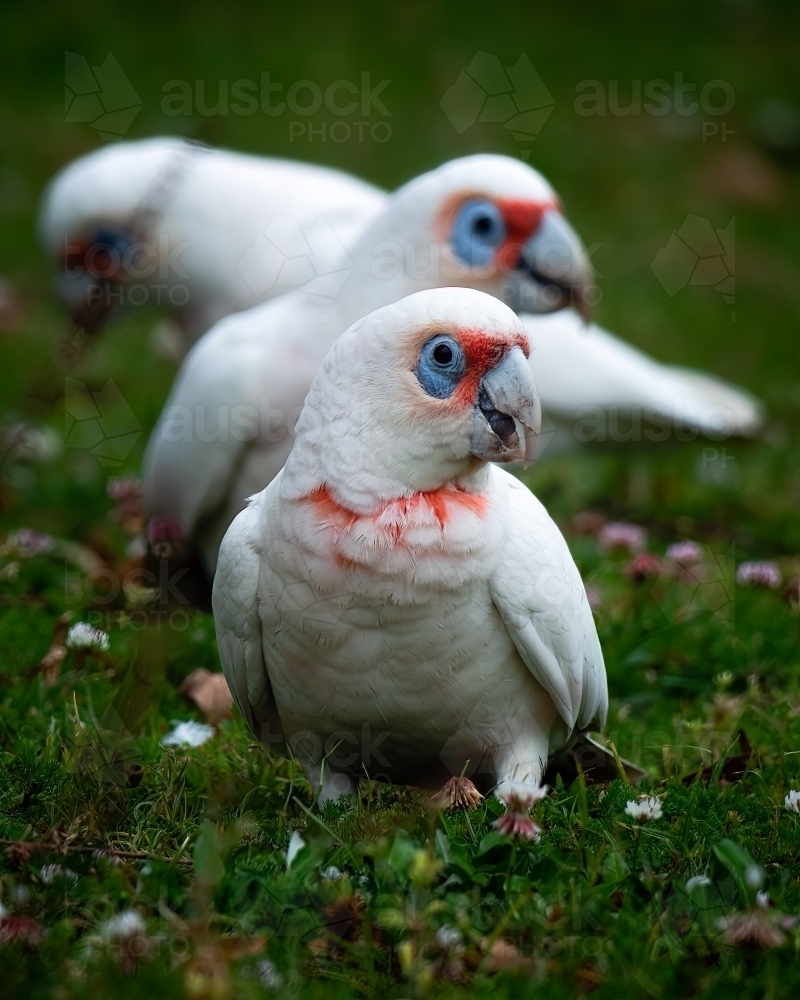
point(50, 665)
point(210, 693)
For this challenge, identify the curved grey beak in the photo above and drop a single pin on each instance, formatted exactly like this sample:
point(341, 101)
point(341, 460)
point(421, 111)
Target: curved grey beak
point(554, 258)
point(507, 417)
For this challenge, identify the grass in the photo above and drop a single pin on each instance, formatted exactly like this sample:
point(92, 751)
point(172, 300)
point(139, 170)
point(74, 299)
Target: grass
point(195, 840)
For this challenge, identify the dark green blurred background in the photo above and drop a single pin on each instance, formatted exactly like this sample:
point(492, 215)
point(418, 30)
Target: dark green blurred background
point(628, 182)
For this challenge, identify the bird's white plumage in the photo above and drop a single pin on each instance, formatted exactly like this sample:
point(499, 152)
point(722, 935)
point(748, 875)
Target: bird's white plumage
point(208, 209)
point(584, 371)
point(453, 623)
point(255, 367)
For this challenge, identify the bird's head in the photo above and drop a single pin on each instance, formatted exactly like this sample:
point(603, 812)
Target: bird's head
point(488, 222)
point(93, 269)
point(417, 395)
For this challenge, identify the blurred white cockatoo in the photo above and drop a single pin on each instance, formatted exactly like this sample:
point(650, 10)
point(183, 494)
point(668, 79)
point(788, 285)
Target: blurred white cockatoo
point(486, 221)
point(210, 232)
point(202, 232)
point(393, 601)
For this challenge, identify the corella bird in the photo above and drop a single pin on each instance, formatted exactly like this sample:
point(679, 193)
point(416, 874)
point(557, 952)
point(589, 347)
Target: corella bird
point(206, 233)
point(393, 601)
point(486, 221)
point(202, 232)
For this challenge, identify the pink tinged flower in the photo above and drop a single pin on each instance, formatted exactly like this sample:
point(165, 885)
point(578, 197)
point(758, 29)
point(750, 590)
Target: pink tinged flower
point(30, 543)
point(644, 810)
point(756, 927)
point(792, 801)
point(125, 489)
point(685, 552)
point(127, 493)
point(23, 929)
point(761, 573)
point(519, 825)
point(516, 821)
point(642, 565)
point(621, 535)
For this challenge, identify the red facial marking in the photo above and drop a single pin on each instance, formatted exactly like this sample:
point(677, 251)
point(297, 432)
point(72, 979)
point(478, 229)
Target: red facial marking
point(395, 517)
point(98, 259)
point(483, 352)
point(522, 219)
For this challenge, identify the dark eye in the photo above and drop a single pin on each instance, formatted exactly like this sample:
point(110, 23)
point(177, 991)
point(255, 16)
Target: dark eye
point(482, 224)
point(443, 354)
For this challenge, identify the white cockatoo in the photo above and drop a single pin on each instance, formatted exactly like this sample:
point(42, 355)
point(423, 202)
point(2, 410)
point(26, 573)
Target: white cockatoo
point(393, 601)
point(210, 232)
point(202, 232)
point(491, 222)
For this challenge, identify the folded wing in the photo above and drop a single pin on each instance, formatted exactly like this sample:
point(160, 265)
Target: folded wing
point(541, 598)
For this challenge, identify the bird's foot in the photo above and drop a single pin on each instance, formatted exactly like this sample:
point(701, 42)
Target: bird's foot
point(334, 785)
point(457, 793)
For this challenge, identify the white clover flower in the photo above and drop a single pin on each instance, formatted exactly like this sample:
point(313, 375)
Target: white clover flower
point(84, 636)
point(523, 797)
point(696, 881)
point(762, 900)
point(269, 975)
point(50, 873)
point(332, 874)
point(20, 894)
point(449, 938)
point(792, 801)
point(646, 809)
point(296, 845)
point(754, 876)
point(188, 734)
point(126, 924)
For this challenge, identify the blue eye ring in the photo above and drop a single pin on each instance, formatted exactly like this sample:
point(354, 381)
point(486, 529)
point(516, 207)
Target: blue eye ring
point(477, 231)
point(441, 366)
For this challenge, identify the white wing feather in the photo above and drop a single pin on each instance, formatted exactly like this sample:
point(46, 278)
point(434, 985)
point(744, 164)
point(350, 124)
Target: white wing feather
point(541, 598)
point(188, 475)
point(579, 366)
point(238, 624)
